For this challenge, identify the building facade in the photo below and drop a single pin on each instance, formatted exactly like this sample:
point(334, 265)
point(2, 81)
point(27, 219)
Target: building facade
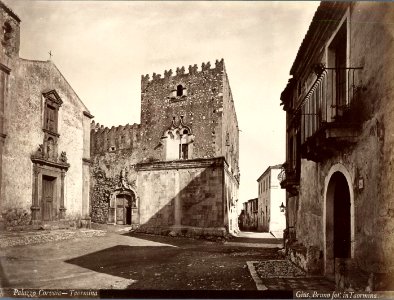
point(271, 199)
point(338, 173)
point(248, 218)
point(45, 138)
point(176, 172)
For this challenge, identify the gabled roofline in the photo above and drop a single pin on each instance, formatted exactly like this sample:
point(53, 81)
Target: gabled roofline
point(60, 73)
point(279, 166)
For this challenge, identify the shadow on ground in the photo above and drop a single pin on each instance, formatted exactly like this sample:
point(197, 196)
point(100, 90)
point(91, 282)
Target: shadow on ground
point(256, 240)
point(178, 264)
point(182, 241)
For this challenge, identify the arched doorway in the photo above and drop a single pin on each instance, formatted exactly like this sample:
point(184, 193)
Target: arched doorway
point(123, 208)
point(338, 220)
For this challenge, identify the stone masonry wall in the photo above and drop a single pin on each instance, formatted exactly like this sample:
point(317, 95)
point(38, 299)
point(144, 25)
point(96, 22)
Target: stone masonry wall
point(105, 172)
point(185, 197)
point(230, 129)
point(370, 160)
point(10, 40)
point(207, 108)
point(202, 108)
point(104, 139)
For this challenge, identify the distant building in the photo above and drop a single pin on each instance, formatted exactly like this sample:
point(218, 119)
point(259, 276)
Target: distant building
point(44, 139)
point(177, 172)
point(248, 217)
point(271, 199)
point(339, 169)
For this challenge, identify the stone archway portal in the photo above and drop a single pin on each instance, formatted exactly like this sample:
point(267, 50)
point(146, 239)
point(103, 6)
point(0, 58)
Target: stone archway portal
point(126, 209)
point(338, 221)
point(123, 209)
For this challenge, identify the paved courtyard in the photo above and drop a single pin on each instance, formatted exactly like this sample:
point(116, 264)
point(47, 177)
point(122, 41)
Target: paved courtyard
point(118, 259)
point(133, 261)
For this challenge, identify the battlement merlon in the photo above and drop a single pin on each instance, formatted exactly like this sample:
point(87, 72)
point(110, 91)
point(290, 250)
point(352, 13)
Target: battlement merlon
point(100, 129)
point(180, 71)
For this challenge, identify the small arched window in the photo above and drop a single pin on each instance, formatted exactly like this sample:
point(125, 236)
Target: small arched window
point(179, 90)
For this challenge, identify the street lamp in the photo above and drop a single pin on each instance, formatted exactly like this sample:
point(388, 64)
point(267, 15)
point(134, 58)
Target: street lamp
point(282, 207)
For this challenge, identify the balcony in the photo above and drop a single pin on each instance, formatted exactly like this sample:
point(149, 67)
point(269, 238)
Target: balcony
point(288, 179)
point(328, 120)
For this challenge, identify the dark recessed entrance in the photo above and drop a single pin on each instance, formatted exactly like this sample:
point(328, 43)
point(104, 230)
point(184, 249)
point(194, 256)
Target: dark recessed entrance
point(341, 217)
point(124, 209)
point(338, 220)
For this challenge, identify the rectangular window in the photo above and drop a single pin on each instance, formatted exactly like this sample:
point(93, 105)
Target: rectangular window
point(50, 118)
point(183, 149)
point(338, 80)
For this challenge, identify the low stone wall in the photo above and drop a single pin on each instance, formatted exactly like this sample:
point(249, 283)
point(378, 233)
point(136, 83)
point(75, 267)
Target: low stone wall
point(184, 231)
point(309, 259)
point(182, 197)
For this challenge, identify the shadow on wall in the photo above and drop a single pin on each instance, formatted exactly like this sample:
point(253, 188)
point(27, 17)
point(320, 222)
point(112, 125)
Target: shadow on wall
point(196, 210)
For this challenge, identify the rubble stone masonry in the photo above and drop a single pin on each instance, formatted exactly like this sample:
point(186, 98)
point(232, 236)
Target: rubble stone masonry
point(201, 101)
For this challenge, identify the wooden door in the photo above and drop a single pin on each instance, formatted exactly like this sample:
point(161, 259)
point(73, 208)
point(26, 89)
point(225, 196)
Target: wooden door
point(47, 198)
point(123, 209)
point(119, 211)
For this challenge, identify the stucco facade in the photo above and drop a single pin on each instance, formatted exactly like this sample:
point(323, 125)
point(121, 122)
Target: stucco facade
point(338, 173)
point(271, 198)
point(45, 131)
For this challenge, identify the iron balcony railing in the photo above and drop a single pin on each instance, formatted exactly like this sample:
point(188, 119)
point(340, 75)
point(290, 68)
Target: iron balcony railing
point(288, 174)
point(328, 100)
point(282, 174)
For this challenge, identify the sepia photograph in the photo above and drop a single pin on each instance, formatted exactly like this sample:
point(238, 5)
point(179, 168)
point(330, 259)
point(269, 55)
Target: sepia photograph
point(197, 149)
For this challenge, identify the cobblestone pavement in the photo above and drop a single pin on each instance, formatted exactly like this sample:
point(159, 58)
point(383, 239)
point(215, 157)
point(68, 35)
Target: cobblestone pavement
point(11, 239)
point(284, 275)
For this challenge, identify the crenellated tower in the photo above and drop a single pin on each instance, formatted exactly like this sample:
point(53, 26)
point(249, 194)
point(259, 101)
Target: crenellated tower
point(172, 163)
point(199, 99)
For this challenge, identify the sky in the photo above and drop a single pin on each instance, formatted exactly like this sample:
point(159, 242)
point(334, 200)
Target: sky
point(103, 47)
